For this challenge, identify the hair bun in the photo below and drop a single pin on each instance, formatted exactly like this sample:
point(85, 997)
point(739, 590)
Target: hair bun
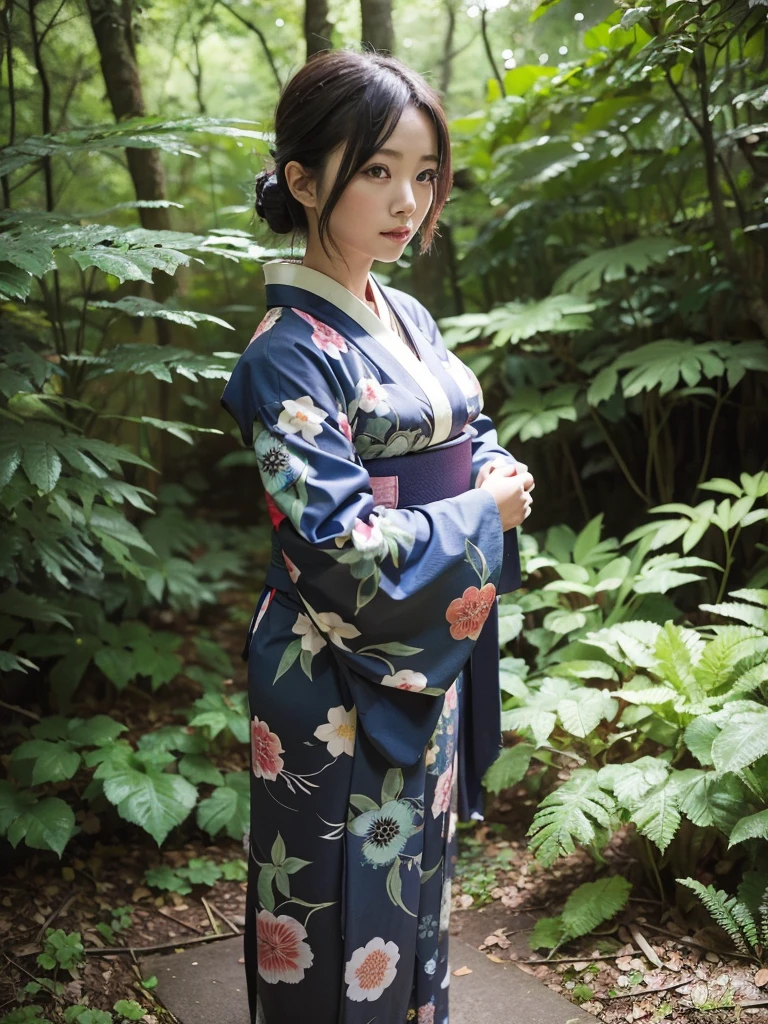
point(271, 203)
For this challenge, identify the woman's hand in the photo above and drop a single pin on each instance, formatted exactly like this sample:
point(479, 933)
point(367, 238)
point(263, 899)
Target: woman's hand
point(502, 462)
point(510, 484)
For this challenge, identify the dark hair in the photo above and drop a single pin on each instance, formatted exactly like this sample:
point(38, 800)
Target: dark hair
point(341, 96)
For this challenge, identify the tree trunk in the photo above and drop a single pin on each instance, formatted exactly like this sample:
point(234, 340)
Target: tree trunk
point(112, 28)
point(378, 33)
point(317, 27)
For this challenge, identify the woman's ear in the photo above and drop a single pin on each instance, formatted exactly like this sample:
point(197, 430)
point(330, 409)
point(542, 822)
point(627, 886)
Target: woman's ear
point(301, 184)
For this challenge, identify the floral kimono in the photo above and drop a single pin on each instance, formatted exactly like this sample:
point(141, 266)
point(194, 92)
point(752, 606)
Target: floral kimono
point(357, 653)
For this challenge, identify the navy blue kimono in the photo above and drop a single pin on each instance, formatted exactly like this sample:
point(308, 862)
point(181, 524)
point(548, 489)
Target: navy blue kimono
point(357, 652)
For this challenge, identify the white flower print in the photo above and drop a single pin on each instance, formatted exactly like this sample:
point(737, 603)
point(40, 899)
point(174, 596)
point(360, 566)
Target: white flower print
point(302, 416)
point(371, 969)
point(406, 679)
point(269, 320)
point(311, 639)
point(283, 955)
point(368, 539)
point(371, 396)
point(339, 731)
point(442, 800)
point(336, 628)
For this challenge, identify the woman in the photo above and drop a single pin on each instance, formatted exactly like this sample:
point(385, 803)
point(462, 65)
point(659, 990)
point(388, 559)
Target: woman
point(394, 511)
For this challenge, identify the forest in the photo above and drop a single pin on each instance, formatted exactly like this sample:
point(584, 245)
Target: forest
point(602, 265)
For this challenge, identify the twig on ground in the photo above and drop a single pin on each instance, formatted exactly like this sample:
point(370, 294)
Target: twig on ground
point(19, 967)
point(143, 950)
point(211, 918)
point(51, 917)
point(575, 959)
point(225, 919)
point(178, 920)
point(647, 991)
point(702, 1009)
point(684, 940)
point(645, 945)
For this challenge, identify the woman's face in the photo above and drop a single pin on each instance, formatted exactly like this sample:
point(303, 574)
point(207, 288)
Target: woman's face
point(394, 189)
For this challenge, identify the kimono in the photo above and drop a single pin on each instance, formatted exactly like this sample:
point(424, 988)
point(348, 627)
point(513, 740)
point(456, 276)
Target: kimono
point(357, 653)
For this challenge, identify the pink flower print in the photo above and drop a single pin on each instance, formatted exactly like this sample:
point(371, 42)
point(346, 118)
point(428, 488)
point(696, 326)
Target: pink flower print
point(451, 698)
point(269, 320)
point(406, 679)
point(427, 1013)
point(442, 800)
point(326, 339)
point(344, 426)
point(283, 955)
point(468, 612)
point(265, 751)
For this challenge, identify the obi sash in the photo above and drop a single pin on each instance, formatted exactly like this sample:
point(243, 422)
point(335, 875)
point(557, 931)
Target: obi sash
point(440, 471)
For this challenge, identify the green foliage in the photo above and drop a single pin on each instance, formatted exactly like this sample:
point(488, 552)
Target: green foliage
point(746, 925)
point(586, 908)
point(617, 250)
point(61, 950)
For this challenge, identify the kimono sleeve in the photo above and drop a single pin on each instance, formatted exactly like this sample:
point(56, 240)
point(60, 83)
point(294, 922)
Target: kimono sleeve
point(399, 596)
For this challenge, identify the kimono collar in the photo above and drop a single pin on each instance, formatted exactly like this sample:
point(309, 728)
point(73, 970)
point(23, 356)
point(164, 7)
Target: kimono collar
point(294, 273)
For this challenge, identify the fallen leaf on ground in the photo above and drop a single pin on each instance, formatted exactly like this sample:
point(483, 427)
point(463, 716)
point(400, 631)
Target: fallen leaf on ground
point(462, 971)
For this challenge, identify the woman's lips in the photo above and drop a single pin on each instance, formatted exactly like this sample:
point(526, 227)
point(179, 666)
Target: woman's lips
point(397, 236)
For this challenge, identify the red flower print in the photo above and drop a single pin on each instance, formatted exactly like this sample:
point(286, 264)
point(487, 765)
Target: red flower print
point(275, 515)
point(265, 751)
point(468, 612)
point(282, 953)
point(326, 339)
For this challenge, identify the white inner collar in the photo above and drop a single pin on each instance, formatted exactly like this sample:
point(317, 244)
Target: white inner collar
point(294, 273)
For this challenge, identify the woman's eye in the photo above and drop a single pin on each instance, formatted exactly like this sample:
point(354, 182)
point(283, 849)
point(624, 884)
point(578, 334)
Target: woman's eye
point(370, 171)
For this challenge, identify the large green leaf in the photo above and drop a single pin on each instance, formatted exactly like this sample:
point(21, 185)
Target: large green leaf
point(145, 796)
point(591, 273)
point(134, 133)
point(228, 807)
point(54, 762)
point(754, 826)
point(46, 824)
point(741, 742)
point(135, 305)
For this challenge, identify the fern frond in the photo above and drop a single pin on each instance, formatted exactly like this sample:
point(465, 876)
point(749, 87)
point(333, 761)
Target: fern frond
point(568, 816)
point(720, 906)
point(594, 902)
point(762, 914)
